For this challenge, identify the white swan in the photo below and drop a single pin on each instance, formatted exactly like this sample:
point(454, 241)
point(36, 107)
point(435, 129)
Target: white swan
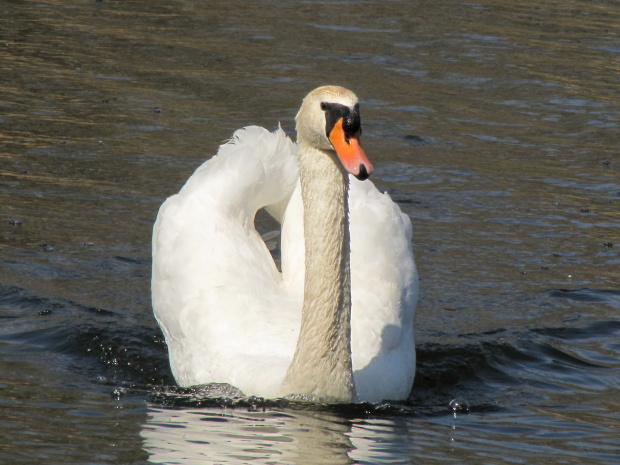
point(337, 322)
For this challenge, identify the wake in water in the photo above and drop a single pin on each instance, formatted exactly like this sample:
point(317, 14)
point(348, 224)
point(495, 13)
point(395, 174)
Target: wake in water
point(487, 371)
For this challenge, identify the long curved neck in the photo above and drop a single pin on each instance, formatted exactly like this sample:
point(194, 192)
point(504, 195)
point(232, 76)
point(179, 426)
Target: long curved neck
point(321, 366)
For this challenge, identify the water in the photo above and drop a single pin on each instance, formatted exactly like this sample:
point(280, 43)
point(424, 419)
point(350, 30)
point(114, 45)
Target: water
point(494, 125)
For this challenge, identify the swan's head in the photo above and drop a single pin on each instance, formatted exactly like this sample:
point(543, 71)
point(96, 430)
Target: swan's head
point(329, 119)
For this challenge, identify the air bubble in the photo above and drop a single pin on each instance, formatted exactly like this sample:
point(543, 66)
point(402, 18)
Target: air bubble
point(459, 406)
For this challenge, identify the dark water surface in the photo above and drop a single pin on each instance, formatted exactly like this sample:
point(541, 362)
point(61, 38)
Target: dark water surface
point(494, 125)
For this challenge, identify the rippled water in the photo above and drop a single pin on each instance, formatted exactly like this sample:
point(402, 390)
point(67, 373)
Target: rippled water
point(494, 125)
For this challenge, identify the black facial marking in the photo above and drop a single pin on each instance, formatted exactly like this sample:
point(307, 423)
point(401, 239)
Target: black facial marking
point(351, 118)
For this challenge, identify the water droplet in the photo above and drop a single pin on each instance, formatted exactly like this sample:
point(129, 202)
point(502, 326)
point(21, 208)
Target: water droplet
point(459, 406)
point(256, 404)
point(118, 392)
point(226, 402)
point(47, 247)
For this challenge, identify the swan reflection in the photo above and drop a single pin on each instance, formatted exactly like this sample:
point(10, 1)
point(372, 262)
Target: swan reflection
point(217, 435)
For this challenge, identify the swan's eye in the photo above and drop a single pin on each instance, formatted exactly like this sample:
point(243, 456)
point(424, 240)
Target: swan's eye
point(352, 122)
point(336, 111)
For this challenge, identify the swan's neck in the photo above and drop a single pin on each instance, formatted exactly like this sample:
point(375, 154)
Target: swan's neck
point(321, 365)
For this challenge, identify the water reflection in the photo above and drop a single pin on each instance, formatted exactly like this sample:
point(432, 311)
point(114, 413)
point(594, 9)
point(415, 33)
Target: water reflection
point(489, 435)
point(229, 436)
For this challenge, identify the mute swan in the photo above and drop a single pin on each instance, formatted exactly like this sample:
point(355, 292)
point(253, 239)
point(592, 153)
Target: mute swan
point(337, 322)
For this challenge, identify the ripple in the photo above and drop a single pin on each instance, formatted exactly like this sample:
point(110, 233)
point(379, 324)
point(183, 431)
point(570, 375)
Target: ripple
point(609, 296)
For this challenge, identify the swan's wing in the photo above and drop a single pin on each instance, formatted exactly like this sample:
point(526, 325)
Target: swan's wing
point(216, 291)
point(255, 169)
point(384, 284)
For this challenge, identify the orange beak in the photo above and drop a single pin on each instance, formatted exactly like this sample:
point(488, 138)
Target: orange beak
point(350, 152)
